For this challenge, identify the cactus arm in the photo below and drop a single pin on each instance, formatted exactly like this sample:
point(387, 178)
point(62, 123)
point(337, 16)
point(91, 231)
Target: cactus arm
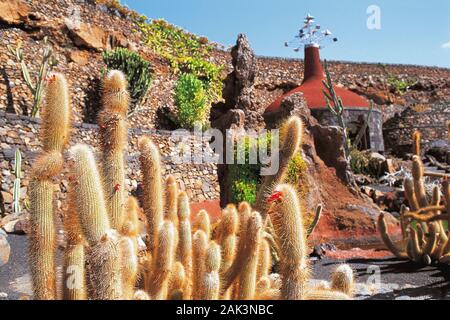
point(316, 220)
point(383, 230)
point(16, 188)
point(210, 287)
point(199, 248)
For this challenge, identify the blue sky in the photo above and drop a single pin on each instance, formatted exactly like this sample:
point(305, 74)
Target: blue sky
point(412, 32)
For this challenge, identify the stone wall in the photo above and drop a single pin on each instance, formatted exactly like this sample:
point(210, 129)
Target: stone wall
point(199, 180)
point(431, 122)
point(354, 115)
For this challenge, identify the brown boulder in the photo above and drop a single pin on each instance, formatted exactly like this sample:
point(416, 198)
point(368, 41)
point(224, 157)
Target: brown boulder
point(88, 36)
point(14, 12)
point(81, 58)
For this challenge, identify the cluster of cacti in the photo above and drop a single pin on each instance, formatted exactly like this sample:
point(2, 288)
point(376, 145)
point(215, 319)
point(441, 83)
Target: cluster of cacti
point(424, 235)
point(36, 87)
point(228, 259)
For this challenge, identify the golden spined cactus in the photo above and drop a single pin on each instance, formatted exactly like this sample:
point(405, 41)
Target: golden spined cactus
point(74, 273)
point(55, 114)
point(210, 282)
point(290, 141)
point(246, 253)
point(199, 248)
point(343, 280)
point(229, 225)
point(42, 219)
point(171, 212)
point(152, 201)
point(89, 198)
point(410, 195)
point(202, 222)
point(178, 282)
point(129, 249)
point(398, 251)
point(163, 262)
point(287, 219)
point(114, 94)
point(264, 259)
point(105, 268)
point(419, 186)
point(113, 140)
point(327, 295)
point(184, 249)
point(104, 255)
point(247, 278)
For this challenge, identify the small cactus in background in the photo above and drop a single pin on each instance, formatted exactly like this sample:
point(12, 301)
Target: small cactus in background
point(426, 241)
point(37, 86)
point(16, 188)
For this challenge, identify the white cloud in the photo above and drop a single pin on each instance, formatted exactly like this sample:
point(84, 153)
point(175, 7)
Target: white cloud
point(446, 45)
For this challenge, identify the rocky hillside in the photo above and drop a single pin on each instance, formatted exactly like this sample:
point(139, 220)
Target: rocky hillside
point(79, 31)
point(78, 51)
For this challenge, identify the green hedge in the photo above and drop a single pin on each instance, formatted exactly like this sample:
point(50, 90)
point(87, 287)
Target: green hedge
point(191, 101)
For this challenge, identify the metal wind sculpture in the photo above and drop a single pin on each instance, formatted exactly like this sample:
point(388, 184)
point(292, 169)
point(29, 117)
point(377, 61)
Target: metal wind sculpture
point(310, 35)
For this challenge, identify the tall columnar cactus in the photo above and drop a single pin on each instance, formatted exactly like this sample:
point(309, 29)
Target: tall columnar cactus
point(152, 201)
point(416, 143)
point(290, 142)
point(247, 279)
point(113, 137)
point(43, 232)
point(246, 252)
point(171, 212)
point(287, 218)
point(104, 254)
point(184, 249)
point(163, 262)
point(129, 248)
point(74, 273)
point(199, 248)
point(55, 133)
point(56, 114)
point(210, 282)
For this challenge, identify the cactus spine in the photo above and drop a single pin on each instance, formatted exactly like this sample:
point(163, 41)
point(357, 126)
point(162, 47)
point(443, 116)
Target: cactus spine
point(104, 255)
point(152, 201)
point(287, 220)
point(113, 137)
point(47, 166)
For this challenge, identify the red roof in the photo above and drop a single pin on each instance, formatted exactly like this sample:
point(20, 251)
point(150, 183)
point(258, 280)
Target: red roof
point(312, 86)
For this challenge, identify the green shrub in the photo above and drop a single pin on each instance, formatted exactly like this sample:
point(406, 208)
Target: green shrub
point(185, 52)
point(246, 177)
point(191, 101)
point(136, 69)
point(400, 86)
point(359, 162)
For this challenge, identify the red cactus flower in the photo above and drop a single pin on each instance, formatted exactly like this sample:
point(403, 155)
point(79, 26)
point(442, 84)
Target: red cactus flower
point(276, 196)
point(117, 187)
